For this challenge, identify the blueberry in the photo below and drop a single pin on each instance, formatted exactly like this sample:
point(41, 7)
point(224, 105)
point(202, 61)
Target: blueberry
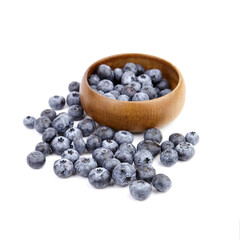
point(105, 72)
point(127, 78)
point(140, 190)
point(169, 157)
point(63, 168)
point(29, 122)
point(150, 91)
point(74, 86)
point(123, 174)
point(130, 67)
point(79, 145)
point(161, 182)
point(87, 126)
point(136, 85)
point(76, 112)
point(153, 134)
point(176, 138)
point(140, 96)
point(123, 136)
point(146, 173)
point(99, 91)
point(144, 80)
point(93, 142)
point(109, 95)
point(165, 92)
point(60, 144)
point(124, 156)
point(49, 134)
point(166, 145)
point(99, 177)
point(110, 144)
point(105, 133)
point(140, 69)
point(62, 122)
point(155, 75)
point(56, 102)
point(143, 157)
point(118, 72)
point(163, 84)
point(123, 98)
point(185, 151)
point(71, 155)
point(115, 93)
point(50, 113)
point(84, 165)
point(42, 123)
point(94, 87)
point(94, 79)
point(192, 137)
point(158, 92)
point(128, 90)
point(118, 87)
point(73, 98)
point(36, 159)
point(151, 146)
point(110, 164)
point(129, 147)
point(105, 85)
point(101, 154)
point(44, 148)
point(73, 133)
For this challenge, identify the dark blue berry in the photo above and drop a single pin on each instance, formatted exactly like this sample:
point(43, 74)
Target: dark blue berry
point(110, 144)
point(127, 78)
point(56, 102)
point(76, 112)
point(36, 159)
point(74, 86)
point(123, 98)
point(50, 113)
point(94, 79)
point(110, 164)
point(150, 91)
point(145, 80)
point(143, 157)
point(49, 134)
point(99, 177)
point(71, 155)
point(140, 190)
point(109, 95)
point(60, 144)
point(151, 146)
point(161, 182)
point(140, 69)
point(105, 133)
point(44, 148)
point(124, 156)
point(130, 67)
point(118, 87)
point(146, 173)
point(169, 157)
point(185, 151)
point(192, 137)
point(105, 85)
point(123, 136)
point(63, 168)
point(101, 154)
point(87, 126)
point(118, 72)
point(42, 123)
point(166, 145)
point(73, 133)
point(84, 165)
point(73, 98)
point(136, 85)
point(165, 92)
point(29, 122)
point(93, 142)
point(129, 147)
point(176, 138)
point(79, 145)
point(140, 96)
point(155, 75)
point(115, 93)
point(105, 72)
point(63, 122)
point(128, 90)
point(163, 84)
point(153, 134)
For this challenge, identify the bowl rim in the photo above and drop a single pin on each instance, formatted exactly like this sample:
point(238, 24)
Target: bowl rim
point(98, 62)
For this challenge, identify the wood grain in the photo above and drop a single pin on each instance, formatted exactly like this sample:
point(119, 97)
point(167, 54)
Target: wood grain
point(134, 116)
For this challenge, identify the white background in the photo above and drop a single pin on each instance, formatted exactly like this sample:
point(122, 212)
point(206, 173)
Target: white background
point(44, 45)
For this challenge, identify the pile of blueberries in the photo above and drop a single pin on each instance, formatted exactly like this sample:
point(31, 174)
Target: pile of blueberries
point(130, 83)
point(114, 158)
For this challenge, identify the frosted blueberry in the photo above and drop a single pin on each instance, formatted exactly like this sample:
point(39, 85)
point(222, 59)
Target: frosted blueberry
point(44, 148)
point(127, 78)
point(93, 142)
point(76, 112)
point(42, 123)
point(176, 138)
point(49, 134)
point(143, 157)
point(79, 145)
point(151, 146)
point(105, 133)
point(84, 165)
point(94, 79)
point(192, 137)
point(99, 177)
point(87, 126)
point(73, 98)
point(169, 157)
point(123, 136)
point(140, 190)
point(155, 75)
point(118, 72)
point(73, 133)
point(29, 122)
point(146, 173)
point(123, 98)
point(60, 144)
point(185, 151)
point(163, 84)
point(105, 85)
point(105, 72)
point(50, 113)
point(165, 92)
point(110, 144)
point(36, 159)
point(124, 156)
point(62, 122)
point(140, 96)
point(63, 168)
point(109, 95)
point(129, 147)
point(161, 182)
point(153, 134)
point(101, 154)
point(110, 164)
point(56, 102)
point(166, 145)
point(74, 86)
point(71, 155)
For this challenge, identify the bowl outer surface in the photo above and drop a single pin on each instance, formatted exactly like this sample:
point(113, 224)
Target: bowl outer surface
point(134, 116)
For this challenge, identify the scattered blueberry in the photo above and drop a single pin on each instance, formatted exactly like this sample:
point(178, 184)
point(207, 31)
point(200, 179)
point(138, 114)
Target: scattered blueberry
point(93, 142)
point(105, 133)
point(63, 122)
point(76, 112)
point(101, 154)
point(105, 72)
point(185, 151)
point(94, 79)
point(110, 164)
point(84, 165)
point(73, 133)
point(123, 136)
point(36, 159)
point(169, 157)
point(63, 168)
point(140, 190)
point(146, 173)
point(49, 134)
point(79, 145)
point(42, 123)
point(124, 156)
point(71, 155)
point(105, 85)
point(129, 147)
point(73, 98)
point(153, 134)
point(192, 137)
point(87, 126)
point(50, 113)
point(151, 146)
point(176, 138)
point(166, 145)
point(60, 144)
point(99, 177)
point(29, 122)
point(123, 174)
point(143, 157)
point(74, 86)
point(161, 182)
point(56, 102)
point(110, 144)
point(44, 148)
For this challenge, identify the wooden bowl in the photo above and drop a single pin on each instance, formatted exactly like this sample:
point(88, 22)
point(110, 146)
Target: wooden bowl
point(134, 116)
